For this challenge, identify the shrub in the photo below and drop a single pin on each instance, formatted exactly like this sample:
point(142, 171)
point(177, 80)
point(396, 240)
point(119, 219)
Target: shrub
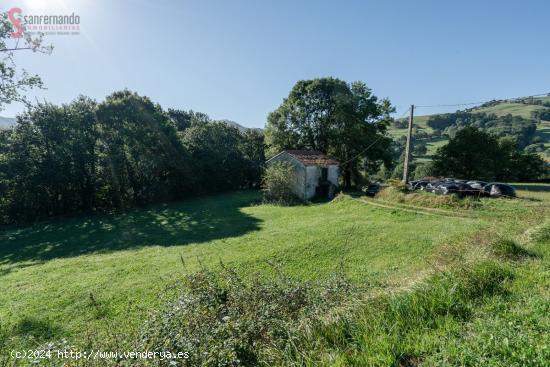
point(398, 185)
point(223, 321)
point(277, 184)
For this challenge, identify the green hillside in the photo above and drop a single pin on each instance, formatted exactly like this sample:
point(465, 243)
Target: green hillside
point(522, 108)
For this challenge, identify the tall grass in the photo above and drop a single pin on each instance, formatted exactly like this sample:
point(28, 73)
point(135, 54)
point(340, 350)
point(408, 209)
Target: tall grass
point(222, 320)
point(425, 199)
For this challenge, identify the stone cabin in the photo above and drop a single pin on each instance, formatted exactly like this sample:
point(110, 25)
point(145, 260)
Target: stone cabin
point(315, 174)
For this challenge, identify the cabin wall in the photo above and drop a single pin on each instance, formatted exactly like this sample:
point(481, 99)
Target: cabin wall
point(313, 174)
point(306, 178)
point(333, 174)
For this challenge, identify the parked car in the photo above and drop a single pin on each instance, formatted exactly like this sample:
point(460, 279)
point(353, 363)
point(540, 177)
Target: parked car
point(497, 189)
point(477, 185)
point(372, 189)
point(432, 185)
point(462, 187)
point(452, 187)
point(419, 185)
point(446, 188)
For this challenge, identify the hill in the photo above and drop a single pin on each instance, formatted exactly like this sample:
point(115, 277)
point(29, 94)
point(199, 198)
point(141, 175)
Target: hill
point(238, 126)
point(529, 120)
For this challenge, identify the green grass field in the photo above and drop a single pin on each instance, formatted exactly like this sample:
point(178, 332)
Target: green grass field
point(49, 270)
point(52, 274)
point(517, 109)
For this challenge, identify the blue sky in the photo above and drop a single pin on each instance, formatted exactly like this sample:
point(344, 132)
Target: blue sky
point(238, 59)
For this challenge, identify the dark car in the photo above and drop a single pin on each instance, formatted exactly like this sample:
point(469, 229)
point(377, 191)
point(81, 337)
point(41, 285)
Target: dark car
point(432, 185)
point(476, 184)
point(446, 188)
point(419, 185)
point(465, 189)
point(497, 189)
point(372, 189)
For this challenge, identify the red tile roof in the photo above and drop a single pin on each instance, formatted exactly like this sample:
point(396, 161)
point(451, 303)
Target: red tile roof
point(312, 158)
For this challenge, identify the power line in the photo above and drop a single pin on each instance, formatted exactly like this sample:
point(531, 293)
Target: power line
point(481, 102)
point(372, 144)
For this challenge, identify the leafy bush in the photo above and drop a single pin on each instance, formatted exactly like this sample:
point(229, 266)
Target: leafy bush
point(223, 321)
point(277, 183)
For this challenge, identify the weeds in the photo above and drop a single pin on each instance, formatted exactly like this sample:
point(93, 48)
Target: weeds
point(396, 195)
point(508, 249)
point(397, 329)
point(223, 321)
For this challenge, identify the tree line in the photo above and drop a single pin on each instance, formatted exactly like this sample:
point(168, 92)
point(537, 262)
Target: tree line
point(124, 151)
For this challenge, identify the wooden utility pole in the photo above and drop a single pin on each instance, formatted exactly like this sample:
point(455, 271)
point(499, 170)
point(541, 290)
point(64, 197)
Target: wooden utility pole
point(408, 148)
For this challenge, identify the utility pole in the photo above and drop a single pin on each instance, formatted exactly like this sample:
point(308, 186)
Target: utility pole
point(408, 148)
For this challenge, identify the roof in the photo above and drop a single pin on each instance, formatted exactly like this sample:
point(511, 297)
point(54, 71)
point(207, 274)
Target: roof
point(310, 157)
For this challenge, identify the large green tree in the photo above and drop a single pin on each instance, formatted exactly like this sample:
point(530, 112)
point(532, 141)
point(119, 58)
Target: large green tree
point(344, 120)
point(143, 159)
point(49, 160)
point(476, 154)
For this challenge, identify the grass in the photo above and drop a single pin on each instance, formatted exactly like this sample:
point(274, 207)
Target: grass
point(63, 278)
point(543, 131)
point(52, 273)
point(534, 191)
point(490, 309)
point(517, 109)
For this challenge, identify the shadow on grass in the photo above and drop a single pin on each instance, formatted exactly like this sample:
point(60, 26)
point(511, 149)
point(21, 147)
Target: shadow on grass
point(39, 329)
point(191, 221)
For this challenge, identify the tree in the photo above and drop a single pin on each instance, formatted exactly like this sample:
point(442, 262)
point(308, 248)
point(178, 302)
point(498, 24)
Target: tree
point(336, 118)
point(143, 159)
point(476, 154)
point(252, 147)
point(185, 119)
point(214, 150)
point(420, 149)
point(50, 160)
point(470, 154)
point(13, 82)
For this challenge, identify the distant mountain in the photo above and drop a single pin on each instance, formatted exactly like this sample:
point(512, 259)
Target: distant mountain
point(239, 126)
point(6, 121)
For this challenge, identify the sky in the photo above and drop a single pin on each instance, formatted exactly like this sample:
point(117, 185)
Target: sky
point(238, 59)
